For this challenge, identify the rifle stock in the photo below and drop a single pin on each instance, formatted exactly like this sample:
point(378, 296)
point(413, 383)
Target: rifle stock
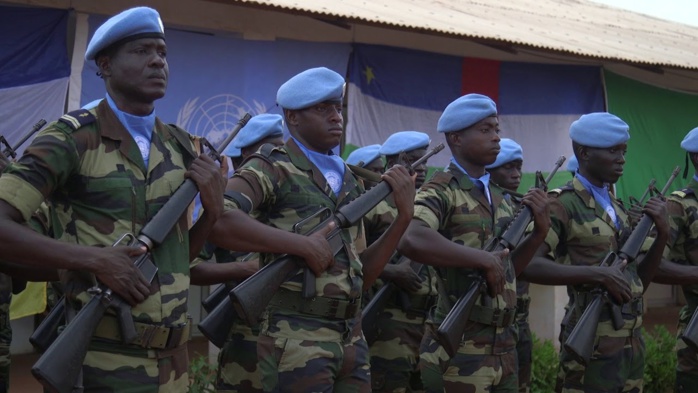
point(58, 369)
point(216, 326)
point(580, 343)
point(451, 329)
point(251, 297)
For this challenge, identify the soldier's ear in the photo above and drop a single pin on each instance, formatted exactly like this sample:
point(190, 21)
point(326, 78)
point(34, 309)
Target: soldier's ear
point(104, 66)
point(291, 117)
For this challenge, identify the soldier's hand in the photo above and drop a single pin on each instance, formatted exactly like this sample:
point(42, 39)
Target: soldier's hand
point(613, 279)
point(318, 254)
point(656, 208)
point(402, 185)
point(115, 269)
point(634, 214)
point(209, 178)
point(537, 200)
point(494, 272)
point(404, 277)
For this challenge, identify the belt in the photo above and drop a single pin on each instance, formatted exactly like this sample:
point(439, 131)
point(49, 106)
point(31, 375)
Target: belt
point(325, 307)
point(499, 317)
point(149, 336)
point(416, 303)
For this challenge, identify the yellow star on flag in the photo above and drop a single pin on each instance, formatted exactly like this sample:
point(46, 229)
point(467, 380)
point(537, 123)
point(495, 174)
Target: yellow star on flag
point(370, 76)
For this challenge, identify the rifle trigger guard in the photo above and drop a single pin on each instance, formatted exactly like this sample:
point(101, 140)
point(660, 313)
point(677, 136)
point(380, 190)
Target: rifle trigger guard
point(125, 236)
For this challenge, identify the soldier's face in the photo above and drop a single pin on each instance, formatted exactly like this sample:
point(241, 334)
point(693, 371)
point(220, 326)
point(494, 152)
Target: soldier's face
point(479, 143)
point(508, 175)
point(319, 127)
point(605, 165)
point(410, 157)
point(138, 70)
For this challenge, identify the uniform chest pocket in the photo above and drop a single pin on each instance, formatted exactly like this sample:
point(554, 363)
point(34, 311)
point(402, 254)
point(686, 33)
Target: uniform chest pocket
point(108, 184)
point(468, 220)
point(115, 193)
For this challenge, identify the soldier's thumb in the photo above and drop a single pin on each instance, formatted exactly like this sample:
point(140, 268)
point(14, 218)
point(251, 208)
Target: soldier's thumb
point(328, 228)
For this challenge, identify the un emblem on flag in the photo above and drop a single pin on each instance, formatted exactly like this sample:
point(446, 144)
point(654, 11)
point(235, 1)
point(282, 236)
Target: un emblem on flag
point(215, 117)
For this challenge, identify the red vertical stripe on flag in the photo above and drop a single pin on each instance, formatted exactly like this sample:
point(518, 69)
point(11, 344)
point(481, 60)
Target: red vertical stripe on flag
point(481, 76)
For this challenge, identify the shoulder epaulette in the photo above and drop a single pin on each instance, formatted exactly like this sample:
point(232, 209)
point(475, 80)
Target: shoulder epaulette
point(560, 190)
point(78, 118)
point(683, 193)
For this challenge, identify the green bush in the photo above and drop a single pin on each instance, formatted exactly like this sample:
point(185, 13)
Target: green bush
point(544, 367)
point(202, 375)
point(660, 363)
point(660, 360)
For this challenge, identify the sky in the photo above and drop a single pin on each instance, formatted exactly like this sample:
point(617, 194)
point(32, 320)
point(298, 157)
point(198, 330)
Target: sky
point(683, 11)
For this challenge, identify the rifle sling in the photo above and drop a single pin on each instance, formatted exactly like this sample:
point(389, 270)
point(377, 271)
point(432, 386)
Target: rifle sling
point(319, 306)
point(149, 336)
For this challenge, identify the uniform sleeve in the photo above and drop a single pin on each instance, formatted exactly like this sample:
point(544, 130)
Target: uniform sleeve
point(44, 167)
point(432, 205)
point(261, 177)
point(558, 225)
point(378, 220)
point(678, 228)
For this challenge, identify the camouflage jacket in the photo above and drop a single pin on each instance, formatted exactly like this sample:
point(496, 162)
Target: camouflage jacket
point(92, 171)
point(682, 207)
point(451, 204)
point(289, 188)
point(582, 234)
point(378, 222)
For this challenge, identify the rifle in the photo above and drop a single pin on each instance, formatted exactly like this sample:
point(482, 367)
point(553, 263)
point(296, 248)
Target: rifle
point(451, 330)
point(59, 367)
point(580, 343)
point(251, 297)
point(370, 313)
point(11, 151)
point(47, 331)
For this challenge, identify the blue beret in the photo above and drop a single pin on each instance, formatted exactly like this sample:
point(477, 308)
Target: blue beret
point(599, 129)
point(466, 111)
point(311, 87)
point(573, 164)
point(259, 127)
point(690, 142)
point(366, 154)
point(404, 141)
point(509, 151)
point(232, 151)
point(135, 22)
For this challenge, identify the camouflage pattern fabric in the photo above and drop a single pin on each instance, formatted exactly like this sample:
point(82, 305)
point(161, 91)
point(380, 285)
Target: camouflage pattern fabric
point(395, 353)
point(486, 358)
point(524, 344)
point(320, 350)
point(238, 369)
point(682, 207)
point(92, 170)
point(582, 233)
point(5, 331)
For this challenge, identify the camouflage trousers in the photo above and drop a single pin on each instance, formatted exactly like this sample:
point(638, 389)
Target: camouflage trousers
point(161, 371)
point(465, 372)
point(291, 361)
point(395, 354)
point(616, 365)
point(524, 353)
point(237, 362)
point(5, 340)
point(687, 364)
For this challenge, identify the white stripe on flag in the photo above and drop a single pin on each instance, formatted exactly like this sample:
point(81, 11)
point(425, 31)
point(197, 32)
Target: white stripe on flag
point(23, 106)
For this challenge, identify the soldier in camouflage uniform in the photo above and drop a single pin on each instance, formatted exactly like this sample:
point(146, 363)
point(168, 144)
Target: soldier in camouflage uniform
point(395, 351)
point(506, 173)
point(587, 224)
point(107, 172)
point(314, 344)
point(237, 360)
point(456, 212)
point(681, 265)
